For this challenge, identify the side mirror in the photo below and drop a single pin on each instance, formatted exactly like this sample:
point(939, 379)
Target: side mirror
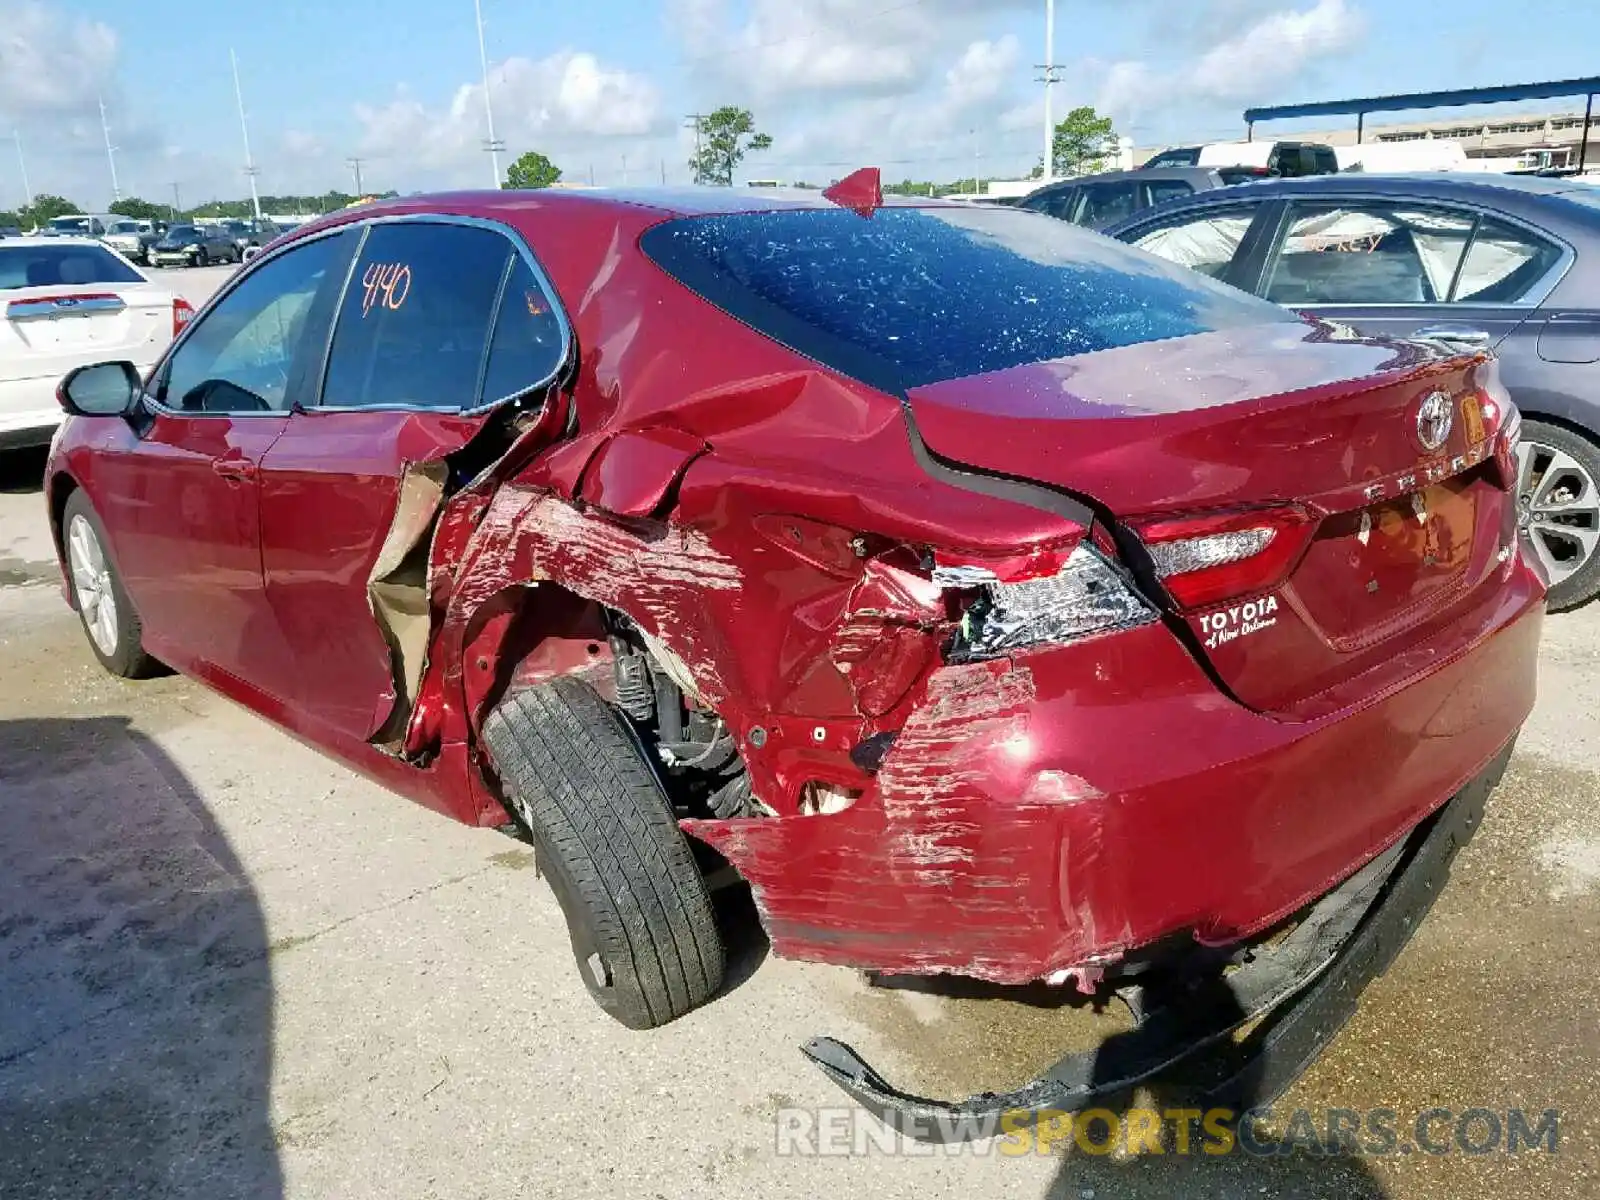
point(103, 390)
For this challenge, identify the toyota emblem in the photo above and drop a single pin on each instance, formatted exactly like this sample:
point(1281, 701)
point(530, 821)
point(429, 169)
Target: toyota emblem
point(1433, 420)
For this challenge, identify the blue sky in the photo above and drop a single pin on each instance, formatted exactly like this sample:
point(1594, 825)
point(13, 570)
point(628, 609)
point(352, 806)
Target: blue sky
point(926, 88)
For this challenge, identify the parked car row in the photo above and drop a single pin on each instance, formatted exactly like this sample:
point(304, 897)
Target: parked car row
point(160, 243)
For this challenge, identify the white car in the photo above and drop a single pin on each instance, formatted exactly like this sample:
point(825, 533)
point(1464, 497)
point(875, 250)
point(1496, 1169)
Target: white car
point(65, 302)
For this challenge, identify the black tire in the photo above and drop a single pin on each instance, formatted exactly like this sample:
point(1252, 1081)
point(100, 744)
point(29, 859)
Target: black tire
point(127, 658)
point(1582, 584)
point(637, 908)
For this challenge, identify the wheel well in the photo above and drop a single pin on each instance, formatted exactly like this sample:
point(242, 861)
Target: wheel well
point(1544, 418)
point(62, 486)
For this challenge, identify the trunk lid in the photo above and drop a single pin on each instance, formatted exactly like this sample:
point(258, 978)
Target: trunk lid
point(49, 329)
point(1400, 536)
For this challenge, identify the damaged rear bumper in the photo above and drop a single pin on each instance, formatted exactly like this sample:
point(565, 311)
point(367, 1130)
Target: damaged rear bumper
point(1300, 994)
point(1068, 807)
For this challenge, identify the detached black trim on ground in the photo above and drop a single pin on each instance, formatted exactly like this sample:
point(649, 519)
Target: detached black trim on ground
point(1301, 993)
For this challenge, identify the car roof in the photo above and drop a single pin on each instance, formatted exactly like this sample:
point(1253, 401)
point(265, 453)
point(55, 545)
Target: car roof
point(1189, 174)
point(1442, 182)
point(35, 239)
point(669, 201)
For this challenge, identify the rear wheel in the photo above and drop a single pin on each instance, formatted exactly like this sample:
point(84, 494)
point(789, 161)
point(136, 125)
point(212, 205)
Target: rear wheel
point(638, 910)
point(115, 634)
point(1558, 509)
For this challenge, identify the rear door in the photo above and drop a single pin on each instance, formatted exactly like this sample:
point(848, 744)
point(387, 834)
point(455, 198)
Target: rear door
point(441, 322)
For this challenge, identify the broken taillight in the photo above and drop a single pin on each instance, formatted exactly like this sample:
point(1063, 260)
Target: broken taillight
point(1206, 559)
point(1044, 598)
point(182, 314)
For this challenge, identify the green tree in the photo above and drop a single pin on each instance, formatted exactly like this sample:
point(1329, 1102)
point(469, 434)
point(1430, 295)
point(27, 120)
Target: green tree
point(9, 219)
point(140, 210)
point(44, 207)
point(532, 170)
point(722, 141)
point(1083, 142)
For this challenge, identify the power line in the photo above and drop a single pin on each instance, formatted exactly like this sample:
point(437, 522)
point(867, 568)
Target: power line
point(355, 165)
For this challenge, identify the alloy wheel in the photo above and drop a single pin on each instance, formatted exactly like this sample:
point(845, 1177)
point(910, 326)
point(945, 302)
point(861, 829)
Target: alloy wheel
point(91, 581)
point(1558, 509)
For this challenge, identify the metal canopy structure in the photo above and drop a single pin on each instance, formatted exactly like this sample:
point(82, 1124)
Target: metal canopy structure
point(1457, 98)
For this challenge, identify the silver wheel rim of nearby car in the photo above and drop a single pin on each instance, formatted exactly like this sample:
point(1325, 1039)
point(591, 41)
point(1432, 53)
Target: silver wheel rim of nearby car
point(1558, 509)
point(91, 580)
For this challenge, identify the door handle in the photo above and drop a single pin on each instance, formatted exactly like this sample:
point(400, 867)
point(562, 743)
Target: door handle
point(234, 468)
point(1455, 335)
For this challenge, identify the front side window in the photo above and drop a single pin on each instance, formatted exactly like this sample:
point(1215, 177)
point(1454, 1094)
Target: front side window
point(242, 354)
point(1368, 252)
point(1207, 244)
point(1058, 203)
point(912, 296)
point(1102, 204)
point(413, 328)
point(1162, 190)
point(44, 265)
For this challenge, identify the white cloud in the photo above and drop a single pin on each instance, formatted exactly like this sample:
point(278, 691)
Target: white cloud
point(564, 99)
point(1276, 49)
point(1272, 48)
point(50, 66)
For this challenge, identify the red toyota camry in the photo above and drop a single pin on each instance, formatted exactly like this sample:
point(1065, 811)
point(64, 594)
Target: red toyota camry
point(994, 598)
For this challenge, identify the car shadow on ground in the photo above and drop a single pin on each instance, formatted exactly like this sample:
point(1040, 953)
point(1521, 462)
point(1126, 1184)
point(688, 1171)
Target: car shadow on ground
point(22, 471)
point(135, 986)
point(1217, 1160)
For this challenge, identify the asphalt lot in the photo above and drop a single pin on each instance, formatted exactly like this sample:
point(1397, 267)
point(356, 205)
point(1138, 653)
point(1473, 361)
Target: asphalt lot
point(231, 968)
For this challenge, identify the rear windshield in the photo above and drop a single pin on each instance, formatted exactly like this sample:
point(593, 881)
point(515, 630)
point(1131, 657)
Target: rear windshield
point(68, 224)
point(53, 266)
point(911, 296)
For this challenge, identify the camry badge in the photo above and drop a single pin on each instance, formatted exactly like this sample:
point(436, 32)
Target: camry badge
point(1433, 420)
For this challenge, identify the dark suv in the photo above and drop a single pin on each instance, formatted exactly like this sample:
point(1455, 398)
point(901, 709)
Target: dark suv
point(1286, 159)
point(1101, 200)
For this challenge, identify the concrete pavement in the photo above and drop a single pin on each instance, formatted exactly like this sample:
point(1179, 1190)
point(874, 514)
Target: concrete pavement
point(229, 967)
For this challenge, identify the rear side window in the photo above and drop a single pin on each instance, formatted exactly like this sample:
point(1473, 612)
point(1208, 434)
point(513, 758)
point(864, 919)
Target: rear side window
point(528, 342)
point(910, 296)
point(1503, 264)
point(413, 328)
point(58, 266)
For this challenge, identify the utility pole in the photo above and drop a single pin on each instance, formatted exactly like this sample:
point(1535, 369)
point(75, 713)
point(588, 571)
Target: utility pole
point(177, 202)
point(355, 166)
point(624, 170)
point(22, 165)
point(694, 120)
point(1049, 79)
point(492, 144)
point(591, 174)
point(663, 172)
point(111, 152)
point(244, 128)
